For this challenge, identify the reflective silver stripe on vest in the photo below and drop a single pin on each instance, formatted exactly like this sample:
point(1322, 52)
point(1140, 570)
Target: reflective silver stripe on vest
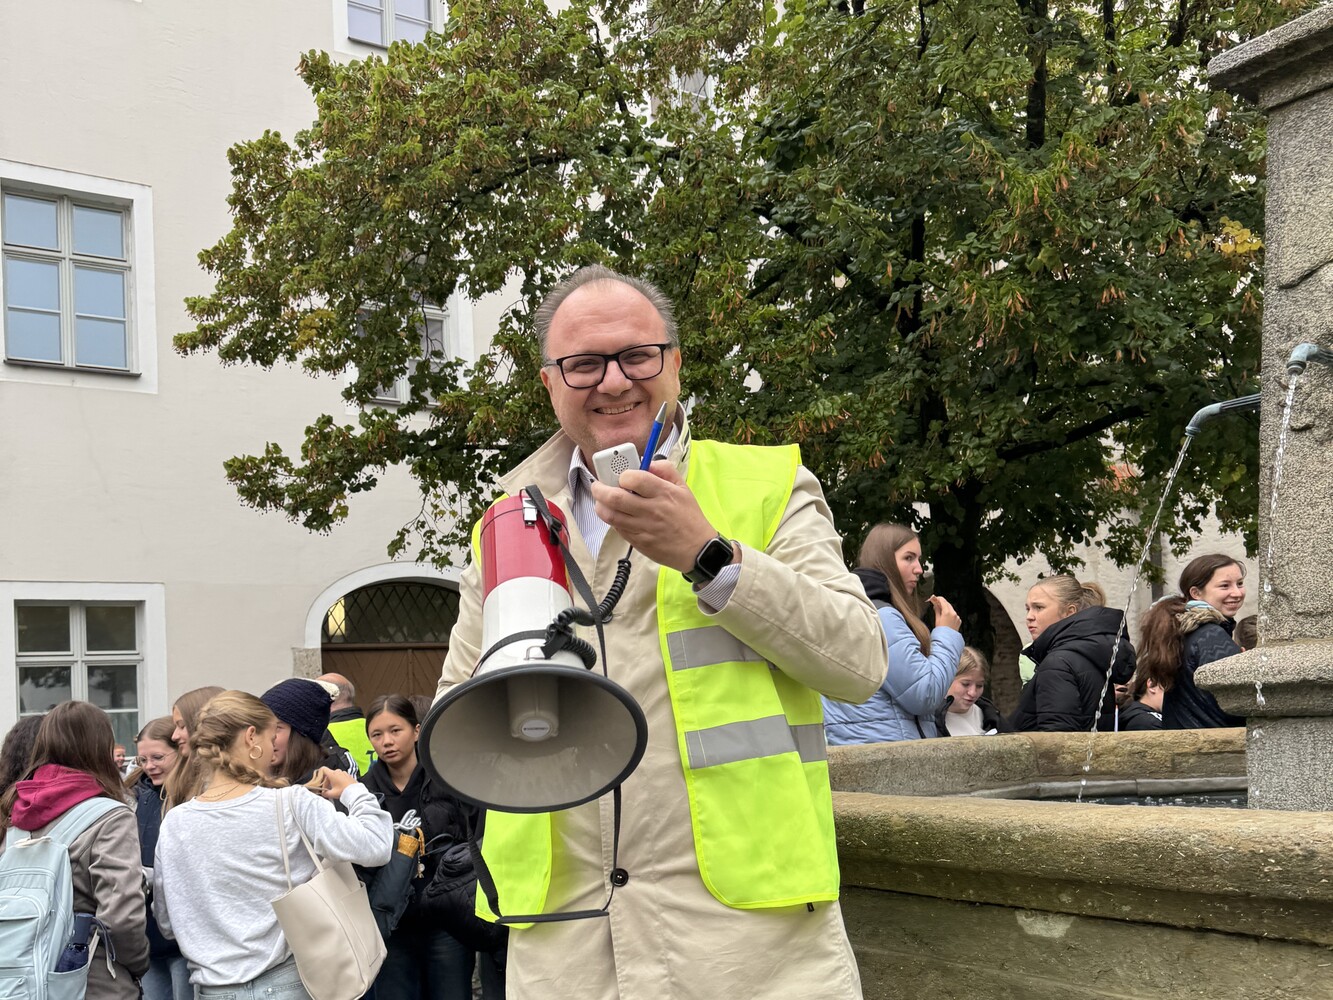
point(706, 646)
point(757, 738)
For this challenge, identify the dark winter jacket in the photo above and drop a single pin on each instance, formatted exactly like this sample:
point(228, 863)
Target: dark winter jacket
point(1136, 717)
point(990, 717)
point(148, 811)
point(1207, 637)
point(1072, 657)
point(443, 819)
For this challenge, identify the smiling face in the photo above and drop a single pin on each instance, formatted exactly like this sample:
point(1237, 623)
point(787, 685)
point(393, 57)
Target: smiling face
point(180, 735)
point(157, 759)
point(966, 688)
point(1225, 590)
point(603, 318)
point(1043, 611)
point(908, 558)
point(393, 738)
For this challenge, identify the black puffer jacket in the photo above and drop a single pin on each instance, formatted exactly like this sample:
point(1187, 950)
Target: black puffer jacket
point(1207, 638)
point(1136, 717)
point(444, 820)
point(1071, 657)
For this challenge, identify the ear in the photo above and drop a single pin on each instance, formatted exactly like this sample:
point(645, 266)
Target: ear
point(1195, 594)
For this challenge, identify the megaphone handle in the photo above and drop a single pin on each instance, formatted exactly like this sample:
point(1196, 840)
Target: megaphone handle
point(487, 882)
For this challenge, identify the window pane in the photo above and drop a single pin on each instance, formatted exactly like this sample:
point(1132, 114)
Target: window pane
point(408, 31)
point(114, 686)
point(30, 222)
point(124, 727)
point(100, 343)
point(43, 688)
point(99, 293)
point(31, 336)
point(419, 9)
point(99, 231)
point(43, 628)
point(34, 284)
point(110, 628)
point(365, 25)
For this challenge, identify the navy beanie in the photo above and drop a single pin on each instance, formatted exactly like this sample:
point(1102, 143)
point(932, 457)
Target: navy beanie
point(301, 703)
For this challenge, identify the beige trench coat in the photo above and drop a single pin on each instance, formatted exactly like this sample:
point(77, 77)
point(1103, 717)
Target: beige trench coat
point(666, 936)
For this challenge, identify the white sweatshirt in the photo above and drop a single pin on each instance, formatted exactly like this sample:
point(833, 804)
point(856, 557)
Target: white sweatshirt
point(218, 869)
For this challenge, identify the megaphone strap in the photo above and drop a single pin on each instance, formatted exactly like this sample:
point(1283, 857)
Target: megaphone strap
point(487, 882)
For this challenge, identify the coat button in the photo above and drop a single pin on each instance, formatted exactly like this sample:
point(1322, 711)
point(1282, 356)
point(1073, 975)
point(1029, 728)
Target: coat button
point(619, 876)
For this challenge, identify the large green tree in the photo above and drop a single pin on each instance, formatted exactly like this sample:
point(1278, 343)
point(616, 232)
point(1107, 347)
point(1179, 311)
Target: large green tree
point(982, 260)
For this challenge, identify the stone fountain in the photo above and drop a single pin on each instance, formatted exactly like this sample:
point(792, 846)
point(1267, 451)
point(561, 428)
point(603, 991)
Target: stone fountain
point(954, 887)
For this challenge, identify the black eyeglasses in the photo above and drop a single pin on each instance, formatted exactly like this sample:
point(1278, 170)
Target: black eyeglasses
point(583, 371)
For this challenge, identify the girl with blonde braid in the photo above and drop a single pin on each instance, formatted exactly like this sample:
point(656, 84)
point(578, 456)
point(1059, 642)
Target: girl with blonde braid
point(219, 862)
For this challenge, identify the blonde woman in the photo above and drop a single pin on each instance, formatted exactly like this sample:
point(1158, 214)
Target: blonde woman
point(1073, 633)
point(219, 859)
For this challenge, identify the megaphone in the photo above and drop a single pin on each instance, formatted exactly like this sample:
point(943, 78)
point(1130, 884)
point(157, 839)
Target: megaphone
point(530, 731)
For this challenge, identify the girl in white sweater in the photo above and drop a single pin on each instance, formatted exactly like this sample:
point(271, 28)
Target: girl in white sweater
point(219, 861)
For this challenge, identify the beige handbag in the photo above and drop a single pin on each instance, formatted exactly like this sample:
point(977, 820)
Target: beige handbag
point(328, 924)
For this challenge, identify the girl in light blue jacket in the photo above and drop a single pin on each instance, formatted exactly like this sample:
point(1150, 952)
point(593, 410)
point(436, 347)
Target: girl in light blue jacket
point(922, 662)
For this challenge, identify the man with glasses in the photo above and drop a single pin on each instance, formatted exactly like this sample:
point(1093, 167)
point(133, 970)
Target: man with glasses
point(739, 612)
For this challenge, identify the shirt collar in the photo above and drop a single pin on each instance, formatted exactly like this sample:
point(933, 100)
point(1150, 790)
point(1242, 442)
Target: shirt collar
point(580, 476)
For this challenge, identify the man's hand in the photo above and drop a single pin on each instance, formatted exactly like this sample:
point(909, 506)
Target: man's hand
point(656, 513)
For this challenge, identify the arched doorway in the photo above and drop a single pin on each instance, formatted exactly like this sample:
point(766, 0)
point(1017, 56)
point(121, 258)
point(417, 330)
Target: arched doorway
point(389, 637)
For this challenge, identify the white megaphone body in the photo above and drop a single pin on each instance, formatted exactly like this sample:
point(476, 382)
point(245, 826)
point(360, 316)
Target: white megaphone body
point(530, 731)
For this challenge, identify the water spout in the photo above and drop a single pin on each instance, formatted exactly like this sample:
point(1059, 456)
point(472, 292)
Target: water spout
point(1195, 426)
point(1303, 355)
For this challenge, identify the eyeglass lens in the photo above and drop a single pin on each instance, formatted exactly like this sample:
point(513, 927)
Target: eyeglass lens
point(582, 371)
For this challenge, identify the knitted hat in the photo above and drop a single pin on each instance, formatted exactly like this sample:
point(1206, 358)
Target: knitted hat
point(301, 703)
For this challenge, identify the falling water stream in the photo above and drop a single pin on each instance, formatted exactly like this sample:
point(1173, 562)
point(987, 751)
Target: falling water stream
point(1266, 593)
point(1129, 603)
point(1265, 598)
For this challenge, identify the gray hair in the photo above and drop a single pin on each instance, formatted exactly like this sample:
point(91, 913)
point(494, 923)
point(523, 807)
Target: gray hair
point(597, 274)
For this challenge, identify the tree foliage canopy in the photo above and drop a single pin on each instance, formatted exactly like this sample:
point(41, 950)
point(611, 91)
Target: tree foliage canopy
point(982, 260)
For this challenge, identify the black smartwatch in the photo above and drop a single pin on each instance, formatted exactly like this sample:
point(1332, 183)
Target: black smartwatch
point(715, 554)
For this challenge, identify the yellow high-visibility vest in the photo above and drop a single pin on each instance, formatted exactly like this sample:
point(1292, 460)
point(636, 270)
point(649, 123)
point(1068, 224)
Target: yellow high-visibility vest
point(751, 738)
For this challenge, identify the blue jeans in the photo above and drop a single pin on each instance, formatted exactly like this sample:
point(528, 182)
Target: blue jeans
point(167, 978)
point(424, 963)
point(282, 982)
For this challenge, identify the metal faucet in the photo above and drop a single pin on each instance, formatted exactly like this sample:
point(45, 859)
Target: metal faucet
point(1304, 354)
point(1195, 426)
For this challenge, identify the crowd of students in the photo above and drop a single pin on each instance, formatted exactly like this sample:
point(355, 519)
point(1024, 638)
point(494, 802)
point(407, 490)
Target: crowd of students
point(1085, 672)
point(182, 878)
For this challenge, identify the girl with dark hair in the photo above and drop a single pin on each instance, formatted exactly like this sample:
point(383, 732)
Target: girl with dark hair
point(71, 763)
point(16, 750)
point(424, 959)
point(922, 661)
point(219, 862)
point(302, 741)
point(1073, 633)
point(168, 975)
point(1182, 632)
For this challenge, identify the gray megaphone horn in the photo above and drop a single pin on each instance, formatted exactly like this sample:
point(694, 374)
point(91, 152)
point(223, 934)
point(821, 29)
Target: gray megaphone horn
point(530, 731)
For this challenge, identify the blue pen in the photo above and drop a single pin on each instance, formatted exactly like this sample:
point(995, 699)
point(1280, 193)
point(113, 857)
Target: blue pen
point(653, 437)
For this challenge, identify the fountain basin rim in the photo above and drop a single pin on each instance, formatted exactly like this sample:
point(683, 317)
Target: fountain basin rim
point(1038, 790)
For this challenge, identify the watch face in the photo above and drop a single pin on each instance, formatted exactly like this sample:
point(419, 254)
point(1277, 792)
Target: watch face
point(710, 560)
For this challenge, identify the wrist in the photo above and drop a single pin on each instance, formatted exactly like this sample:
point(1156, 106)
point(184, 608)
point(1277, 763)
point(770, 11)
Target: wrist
point(715, 553)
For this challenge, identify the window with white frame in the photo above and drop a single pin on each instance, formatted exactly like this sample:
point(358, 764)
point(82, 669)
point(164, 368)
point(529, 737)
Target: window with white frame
point(67, 280)
point(86, 650)
point(439, 342)
point(76, 309)
point(379, 22)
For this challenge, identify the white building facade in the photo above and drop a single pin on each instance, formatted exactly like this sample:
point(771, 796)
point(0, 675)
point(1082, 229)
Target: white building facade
point(129, 570)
